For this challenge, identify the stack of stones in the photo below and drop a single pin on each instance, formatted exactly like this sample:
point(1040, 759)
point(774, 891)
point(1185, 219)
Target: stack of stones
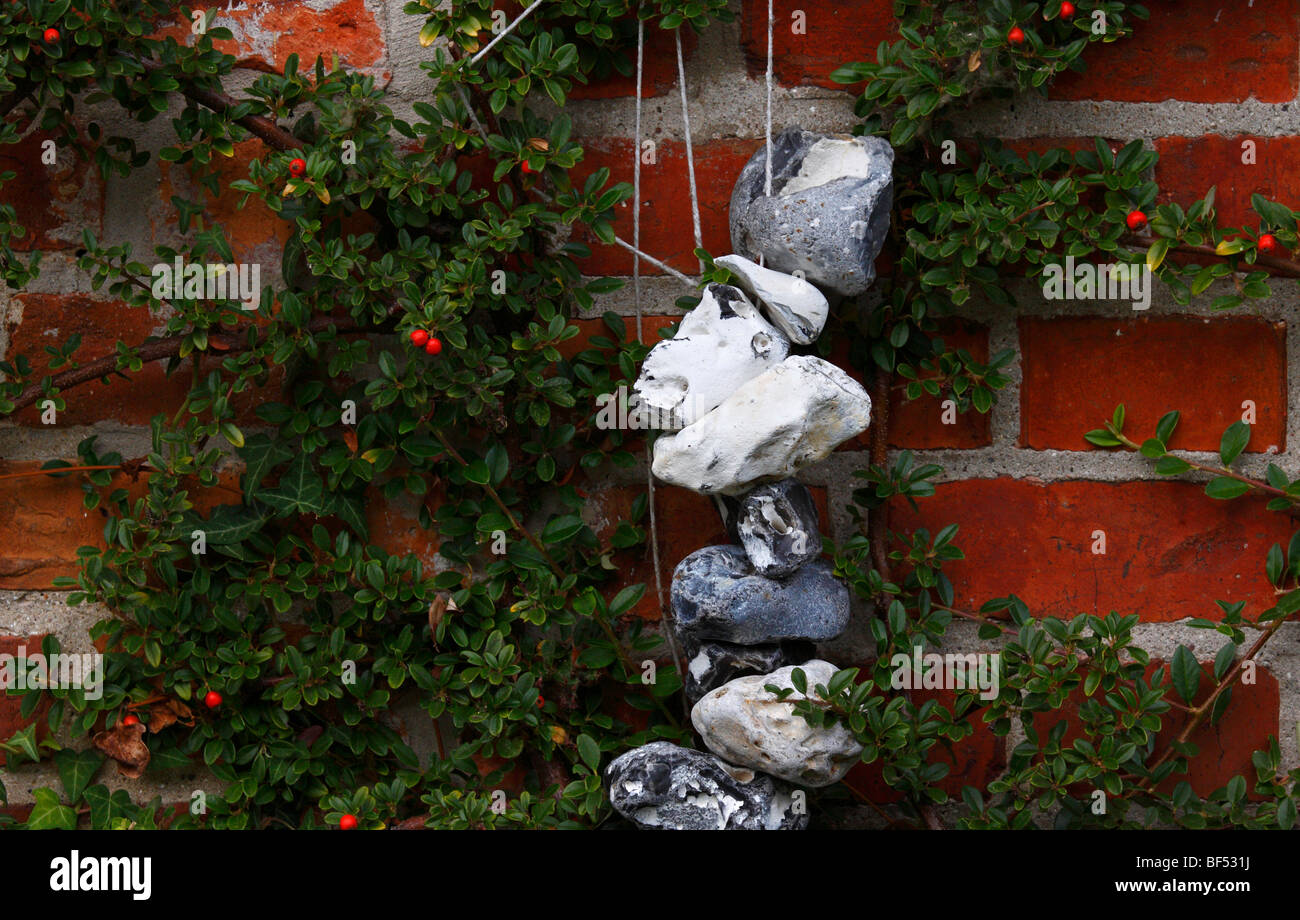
point(744, 416)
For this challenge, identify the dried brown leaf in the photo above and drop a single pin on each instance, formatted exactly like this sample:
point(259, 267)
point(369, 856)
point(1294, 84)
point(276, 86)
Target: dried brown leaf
point(125, 744)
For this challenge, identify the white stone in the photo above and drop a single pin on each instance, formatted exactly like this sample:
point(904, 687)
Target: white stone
point(796, 307)
point(827, 160)
point(720, 345)
point(745, 724)
point(788, 418)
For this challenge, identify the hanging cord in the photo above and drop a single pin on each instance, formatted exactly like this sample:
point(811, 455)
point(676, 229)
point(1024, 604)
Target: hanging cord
point(665, 612)
point(767, 187)
point(504, 32)
point(690, 155)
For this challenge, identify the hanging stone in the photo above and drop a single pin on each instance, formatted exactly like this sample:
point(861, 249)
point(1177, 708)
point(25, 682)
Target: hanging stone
point(828, 213)
point(663, 786)
point(790, 417)
point(745, 724)
point(720, 345)
point(796, 307)
point(710, 664)
point(715, 595)
point(777, 526)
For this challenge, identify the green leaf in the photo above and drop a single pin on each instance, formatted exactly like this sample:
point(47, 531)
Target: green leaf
point(1225, 487)
point(49, 813)
point(1165, 427)
point(1170, 465)
point(626, 599)
point(561, 528)
point(300, 489)
point(230, 431)
point(498, 463)
point(76, 770)
point(589, 751)
point(478, 473)
point(1102, 438)
point(1185, 673)
point(1234, 441)
point(1223, 661)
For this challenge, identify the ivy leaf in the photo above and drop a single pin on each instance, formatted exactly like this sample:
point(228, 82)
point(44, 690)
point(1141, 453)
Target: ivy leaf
point(300, 489)
point(76, 770)
point(260, 454)
point(1185, 673)
point(49, 813)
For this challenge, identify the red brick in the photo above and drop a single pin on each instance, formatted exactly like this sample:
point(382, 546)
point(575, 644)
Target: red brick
point(918, 423)
point(659, 75)
point(1188, 166)
point(687, 521)
point(11, 718)
point(395, 526)
point(49, 319)
point(1077, 370)
point(666, 228)
point(836, 34)
point(43, 522)
point(53, 202)
point(1171, 552)
point(1223, 749)
point(268, 31)
point(1195, 52)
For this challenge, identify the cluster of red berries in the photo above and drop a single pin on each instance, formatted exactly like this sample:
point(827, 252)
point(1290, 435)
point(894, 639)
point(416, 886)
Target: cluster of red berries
point(420, 338)
point(297, 167)
point(1017, 35)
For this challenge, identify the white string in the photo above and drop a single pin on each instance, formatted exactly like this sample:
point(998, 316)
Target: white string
point(504, 32)
point(665, 613)
point(636, 194)
point(690, 156)
point(767, 188)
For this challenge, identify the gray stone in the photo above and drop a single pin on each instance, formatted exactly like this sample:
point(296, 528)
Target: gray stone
point(786, 419)
point(716, 595)
point(828, 213)
point(662, 786)
point(777, 526)
point(796, 307)
point(720, 345)
point(745, 724)
point(711, 664)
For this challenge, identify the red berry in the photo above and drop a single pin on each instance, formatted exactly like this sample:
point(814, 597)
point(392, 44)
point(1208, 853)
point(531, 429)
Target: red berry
point(348, 823)
point(212, 699)
point(51, 36)
point(433, 346)
point(1067, 9)
point(1136, 220)
point(526, 168)
point(297, 167)
point(1016, 36)
point(419, 337)
point(1267, 243)
point(131, 719)
point(541, 701)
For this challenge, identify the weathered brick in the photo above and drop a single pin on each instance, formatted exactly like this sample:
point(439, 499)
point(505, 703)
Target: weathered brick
point(50, 319)
point(395, 526)
point(1188, 166)
point(835, 34)
point(54, 202)
point(1195, 52)
point(666, 228)
point(1077, 370)
point(268, 31)
point(1171, 552)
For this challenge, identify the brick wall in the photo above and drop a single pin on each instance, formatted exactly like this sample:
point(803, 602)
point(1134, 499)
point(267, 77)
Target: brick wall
point(1025, 488)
